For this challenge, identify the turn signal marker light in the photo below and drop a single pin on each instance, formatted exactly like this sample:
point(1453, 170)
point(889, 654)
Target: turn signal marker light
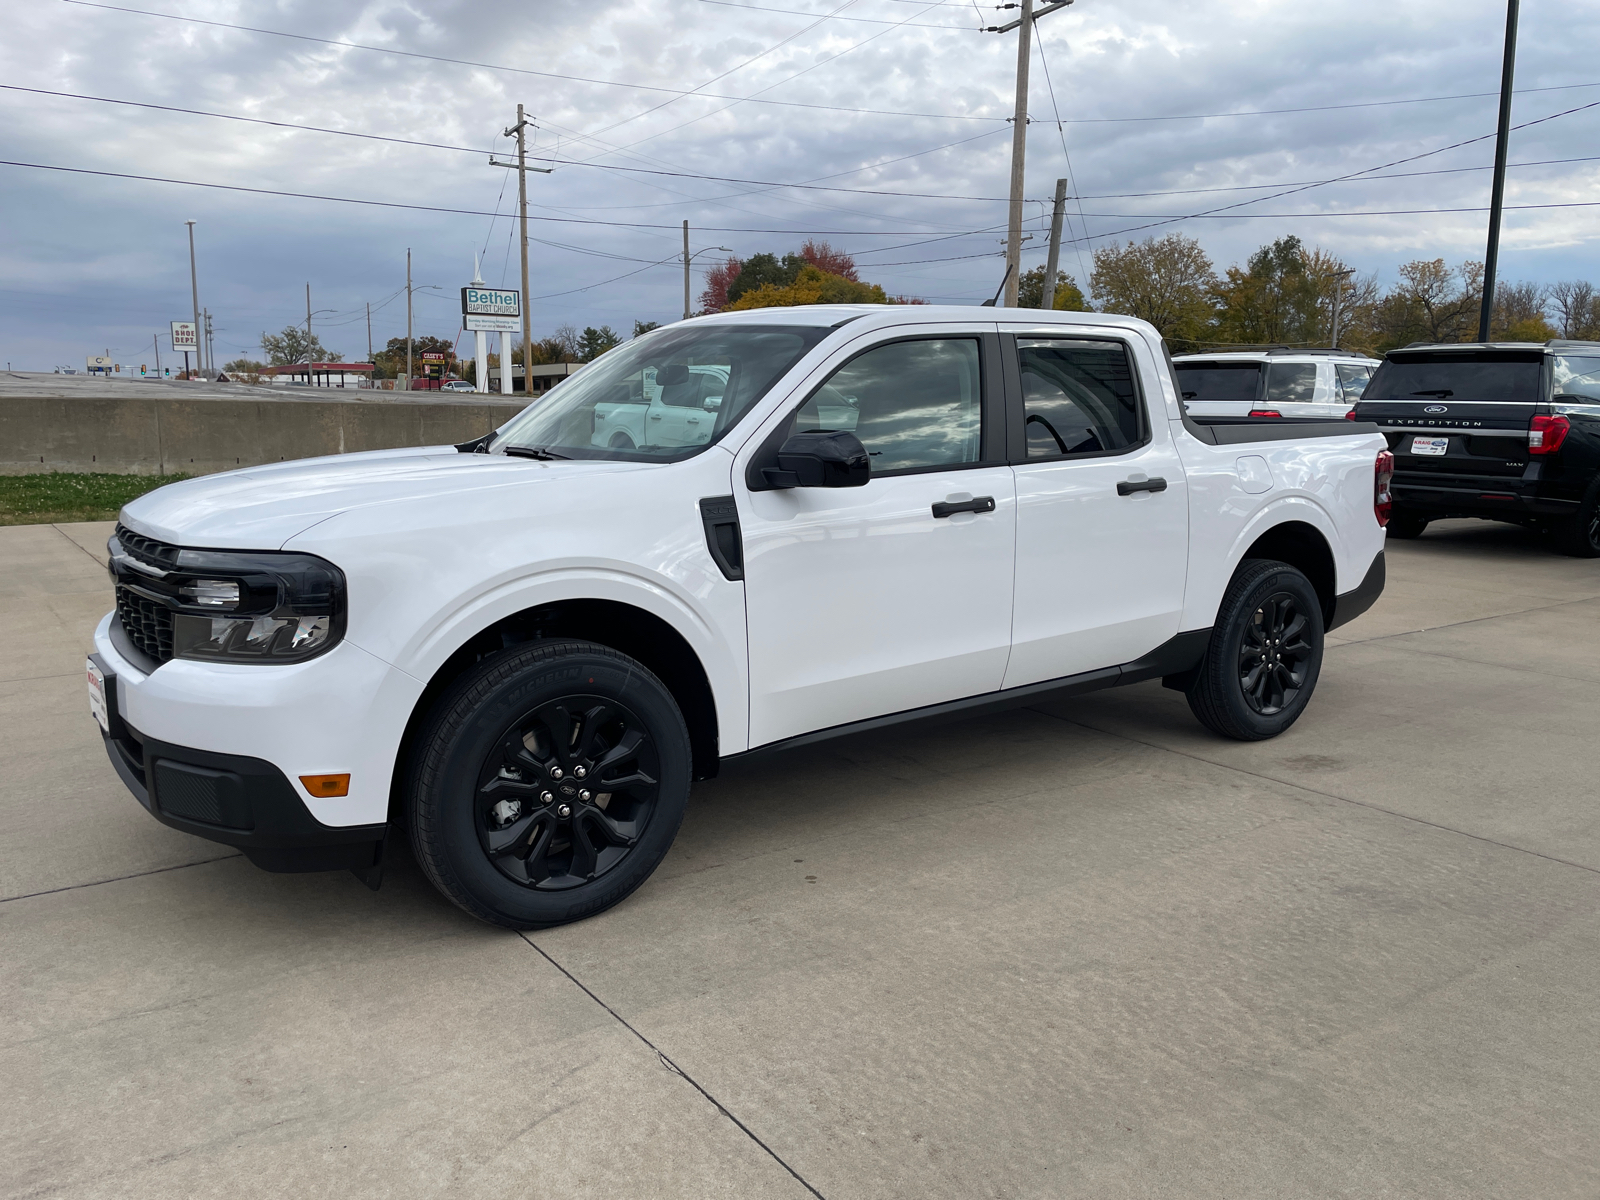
point(327, 785)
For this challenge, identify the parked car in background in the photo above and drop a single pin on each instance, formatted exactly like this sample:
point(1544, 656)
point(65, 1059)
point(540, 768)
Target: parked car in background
point(520, 651)
point(1273, 383)
point(1506, 431)
point(674, 406)
point(457, 385)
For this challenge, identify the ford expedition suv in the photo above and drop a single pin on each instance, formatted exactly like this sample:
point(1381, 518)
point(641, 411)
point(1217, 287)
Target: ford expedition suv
point(520, 651)
point(1504, 431)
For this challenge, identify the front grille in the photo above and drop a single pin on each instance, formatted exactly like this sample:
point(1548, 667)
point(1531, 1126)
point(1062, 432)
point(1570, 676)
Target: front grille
point(147, 550)
point(147, 623)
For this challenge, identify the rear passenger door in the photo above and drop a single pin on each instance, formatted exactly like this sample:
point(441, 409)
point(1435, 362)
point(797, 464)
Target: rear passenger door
point(1102, 510)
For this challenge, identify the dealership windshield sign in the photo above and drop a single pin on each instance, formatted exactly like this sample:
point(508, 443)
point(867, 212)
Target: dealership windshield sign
point(491, 309)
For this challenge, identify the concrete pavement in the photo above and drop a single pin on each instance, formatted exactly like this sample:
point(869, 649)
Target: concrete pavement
point(1084, 949)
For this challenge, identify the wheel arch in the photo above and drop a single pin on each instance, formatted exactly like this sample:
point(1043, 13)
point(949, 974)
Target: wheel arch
point(1304, 547)
point(634, 631)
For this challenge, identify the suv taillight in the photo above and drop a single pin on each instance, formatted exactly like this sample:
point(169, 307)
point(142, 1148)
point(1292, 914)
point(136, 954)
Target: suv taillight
point(1351, 415)
point(1546, 434)
point(1382, 477)
point(1265, 412)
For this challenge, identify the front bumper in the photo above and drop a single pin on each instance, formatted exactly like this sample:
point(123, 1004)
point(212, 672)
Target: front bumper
point(218, 749)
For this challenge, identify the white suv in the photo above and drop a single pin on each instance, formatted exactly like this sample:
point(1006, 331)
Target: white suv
point(1282, 383)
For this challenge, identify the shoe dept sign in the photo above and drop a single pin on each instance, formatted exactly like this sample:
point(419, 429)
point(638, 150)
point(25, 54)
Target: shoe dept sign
point(491, 309)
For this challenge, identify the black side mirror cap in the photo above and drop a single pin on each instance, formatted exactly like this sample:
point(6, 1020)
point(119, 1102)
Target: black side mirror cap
point(820, 459)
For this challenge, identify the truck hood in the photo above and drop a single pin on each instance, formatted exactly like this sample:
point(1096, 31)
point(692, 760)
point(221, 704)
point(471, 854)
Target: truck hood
point(261, 508)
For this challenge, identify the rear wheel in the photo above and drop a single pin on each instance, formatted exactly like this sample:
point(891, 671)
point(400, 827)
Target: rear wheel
point(1265, 654)
point(548, 784)
point(1406, 526)
point(622, 442)
point(1579, 534)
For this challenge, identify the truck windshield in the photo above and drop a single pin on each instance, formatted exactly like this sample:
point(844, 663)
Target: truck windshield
point(661, 397)
point(1466, 376)
point(1218, 380)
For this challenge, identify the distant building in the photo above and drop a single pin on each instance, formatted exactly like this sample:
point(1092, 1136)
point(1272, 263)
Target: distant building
point(545, 376)
point(338, 374)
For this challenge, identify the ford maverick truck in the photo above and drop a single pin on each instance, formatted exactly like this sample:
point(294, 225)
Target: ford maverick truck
point(520, 652)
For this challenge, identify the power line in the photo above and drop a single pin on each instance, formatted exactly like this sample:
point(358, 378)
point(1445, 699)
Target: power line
point(794, 12)
point(879, 112)
point(487, 66)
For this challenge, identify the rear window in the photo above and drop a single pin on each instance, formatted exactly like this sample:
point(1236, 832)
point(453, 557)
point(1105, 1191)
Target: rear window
point(1218, 380)
point(1291, 383)
point(1457, 376)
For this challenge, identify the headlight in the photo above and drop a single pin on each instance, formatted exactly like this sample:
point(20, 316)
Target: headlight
point(263, 607)
point(238, 606)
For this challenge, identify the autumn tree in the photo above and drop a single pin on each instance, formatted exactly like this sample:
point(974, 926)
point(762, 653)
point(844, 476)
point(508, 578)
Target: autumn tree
point(1520, 313)
point(811, 285)
point(1431, 303)
point(1577, 309)
point(1167, 281)
point(1068, 298)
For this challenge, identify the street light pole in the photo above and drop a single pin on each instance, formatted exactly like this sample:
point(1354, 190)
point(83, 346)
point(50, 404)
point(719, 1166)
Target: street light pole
point(408, 318)
point(194, 292)
point(686, 270)
point(1491, 257)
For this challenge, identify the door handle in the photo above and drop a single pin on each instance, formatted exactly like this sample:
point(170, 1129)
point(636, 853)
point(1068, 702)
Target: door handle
point(945, 508)
point(655, 416)
point(1129, 486)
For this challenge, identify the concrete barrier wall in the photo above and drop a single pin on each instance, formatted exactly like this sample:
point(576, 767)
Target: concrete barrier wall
point(139, 435)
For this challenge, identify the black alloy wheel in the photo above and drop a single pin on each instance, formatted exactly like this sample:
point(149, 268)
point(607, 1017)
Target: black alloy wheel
point(1265, 654)
point(547, 783)
point(1274, 654)
point(565, 795)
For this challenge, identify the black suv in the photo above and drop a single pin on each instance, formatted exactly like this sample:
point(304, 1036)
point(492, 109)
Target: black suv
point(1507, 431)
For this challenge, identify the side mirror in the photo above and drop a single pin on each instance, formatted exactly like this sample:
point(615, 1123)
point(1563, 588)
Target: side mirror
point(820, 459)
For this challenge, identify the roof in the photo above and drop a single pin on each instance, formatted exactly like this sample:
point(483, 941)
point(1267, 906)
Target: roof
point(1274, 355)
point(835, 315)
point(1553, 346)
point(300, 368)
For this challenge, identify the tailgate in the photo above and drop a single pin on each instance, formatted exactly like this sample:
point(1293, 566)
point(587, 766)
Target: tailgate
point(1477, 439)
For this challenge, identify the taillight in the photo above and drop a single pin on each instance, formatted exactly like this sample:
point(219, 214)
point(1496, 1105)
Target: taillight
point(1546, 434)
point(1265, 412)
point(1351, 415)
point(1382, 477)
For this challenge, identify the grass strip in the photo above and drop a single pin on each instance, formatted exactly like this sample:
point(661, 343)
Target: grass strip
point(64, 496)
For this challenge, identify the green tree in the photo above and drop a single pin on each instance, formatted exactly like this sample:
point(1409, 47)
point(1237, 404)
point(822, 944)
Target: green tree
point(1430, 303)
point(1166, 281)
point(643, 327)
point(595, 342)
point(1069, 297)
point(1278, 299)
point(291, 346)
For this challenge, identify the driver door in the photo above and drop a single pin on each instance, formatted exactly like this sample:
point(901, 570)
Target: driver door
point(866, 601)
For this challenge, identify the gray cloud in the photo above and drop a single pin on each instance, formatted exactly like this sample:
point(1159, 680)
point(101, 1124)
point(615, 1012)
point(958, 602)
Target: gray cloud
point(90, 263)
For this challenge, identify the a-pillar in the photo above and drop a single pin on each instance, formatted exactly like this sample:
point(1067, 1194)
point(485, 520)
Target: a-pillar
point(482, 361)
point(505, 363)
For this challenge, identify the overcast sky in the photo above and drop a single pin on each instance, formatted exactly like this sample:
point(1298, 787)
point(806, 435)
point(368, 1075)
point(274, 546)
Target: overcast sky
point(868, 97)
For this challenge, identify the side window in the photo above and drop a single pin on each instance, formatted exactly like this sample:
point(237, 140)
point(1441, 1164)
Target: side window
point(912, 404)
point(1292, 383)
point(1078, 396)
point(1352, 380)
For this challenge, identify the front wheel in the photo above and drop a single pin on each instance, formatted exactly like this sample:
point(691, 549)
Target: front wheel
point(548, 784)
point(1265, 654)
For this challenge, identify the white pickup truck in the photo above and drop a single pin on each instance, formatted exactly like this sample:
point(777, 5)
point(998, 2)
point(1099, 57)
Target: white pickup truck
point(519, 652)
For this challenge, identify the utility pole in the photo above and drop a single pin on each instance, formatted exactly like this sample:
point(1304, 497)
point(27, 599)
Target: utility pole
point(1019, 136)
point(194, 292)
point(1491, 257)
point(308, 331)
point(408, 319)
point(369, 330)
point(1338, 295)
point(686, 270)
point(155, 343)
point(522, 169)
point(211, 350)
point(1048, 300)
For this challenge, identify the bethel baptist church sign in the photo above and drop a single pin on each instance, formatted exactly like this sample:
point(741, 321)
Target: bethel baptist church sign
point(491, 309)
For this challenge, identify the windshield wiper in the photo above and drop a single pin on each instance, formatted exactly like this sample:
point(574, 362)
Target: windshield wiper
point(1439, 392)
point(538, 452)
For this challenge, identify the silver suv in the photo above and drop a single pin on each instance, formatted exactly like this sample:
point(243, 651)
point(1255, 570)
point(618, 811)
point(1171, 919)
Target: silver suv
point(1279, 383)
